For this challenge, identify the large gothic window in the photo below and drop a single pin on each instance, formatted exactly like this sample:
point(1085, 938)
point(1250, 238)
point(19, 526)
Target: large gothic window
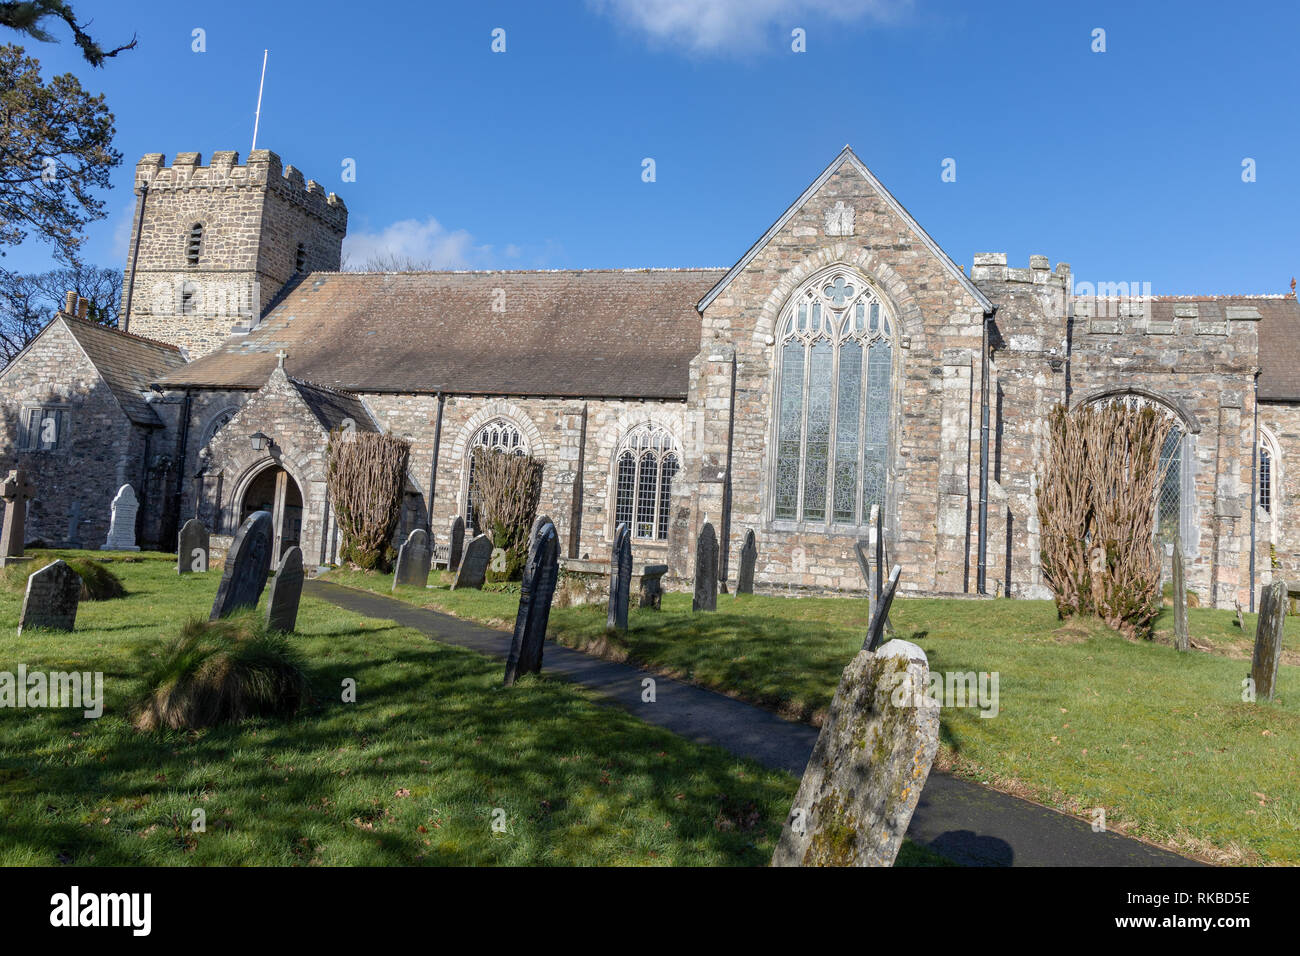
point(835, 400)
point(646, 462)
point(500, 434)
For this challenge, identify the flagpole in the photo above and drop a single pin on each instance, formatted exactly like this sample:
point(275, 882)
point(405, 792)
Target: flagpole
point(258, 115)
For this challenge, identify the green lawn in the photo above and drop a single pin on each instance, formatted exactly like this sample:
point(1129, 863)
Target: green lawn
point(1161, 741)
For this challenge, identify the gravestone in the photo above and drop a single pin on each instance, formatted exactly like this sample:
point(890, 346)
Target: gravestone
point(872, 758)
point(474, 564)
point(706, 571)
point(193, 545)
point(247, 563)
point(652, 590)
point(536, 592)
point(16, 491)
point(620, 579)
point(286, 592)
point(51, 598)
point(880, 613)
point(1268, 640)
point(121, 527)
point(74, 525)
point(748, 558)
point(413, 559)
point(457, 543)
point(864, 562)
point(1182, 640)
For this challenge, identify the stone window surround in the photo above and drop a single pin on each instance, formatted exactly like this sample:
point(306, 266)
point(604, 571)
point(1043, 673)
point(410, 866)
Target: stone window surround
point(211, 426)
point(485, 416)
point(673, 447)
point(1269, 443)
point(65, 428)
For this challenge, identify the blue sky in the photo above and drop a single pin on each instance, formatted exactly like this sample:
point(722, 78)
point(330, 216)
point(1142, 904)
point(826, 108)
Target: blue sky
point(1127, 163)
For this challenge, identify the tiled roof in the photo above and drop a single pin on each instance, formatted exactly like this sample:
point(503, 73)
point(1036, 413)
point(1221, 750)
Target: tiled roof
point(333, 407)
point(598, 333)
point(128, 363)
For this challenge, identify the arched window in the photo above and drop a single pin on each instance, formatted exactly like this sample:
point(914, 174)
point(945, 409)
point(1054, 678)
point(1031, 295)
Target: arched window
point(500, 434)
point(189, 298)
point(1269, 464)
point(646, 462)
point(216, 423)
point(835, 402)
point(194, 245)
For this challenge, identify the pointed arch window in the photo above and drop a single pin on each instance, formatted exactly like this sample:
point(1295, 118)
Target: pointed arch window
point(646, 462)
point(194, 244)
point(835, 394)
point(1269, 466)
point(500, 434)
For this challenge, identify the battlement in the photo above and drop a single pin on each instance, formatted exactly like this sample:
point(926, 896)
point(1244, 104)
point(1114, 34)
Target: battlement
point(263, 171)
point(992, 267)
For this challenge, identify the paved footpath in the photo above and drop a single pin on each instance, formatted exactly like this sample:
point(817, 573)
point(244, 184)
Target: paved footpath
point(963, 821)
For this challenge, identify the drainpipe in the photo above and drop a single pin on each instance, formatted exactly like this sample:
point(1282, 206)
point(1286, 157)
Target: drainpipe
point(1254, 490)
point(575, 509)
point(981, 584)
point(724, 554)
point(433, 467)
point(181, 462)
point(135, 255)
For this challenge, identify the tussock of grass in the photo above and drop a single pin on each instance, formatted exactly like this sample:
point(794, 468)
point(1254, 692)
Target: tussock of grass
point(98, 583)
point(221, 672)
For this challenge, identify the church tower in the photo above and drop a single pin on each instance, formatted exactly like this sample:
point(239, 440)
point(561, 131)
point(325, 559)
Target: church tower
point(212, 245)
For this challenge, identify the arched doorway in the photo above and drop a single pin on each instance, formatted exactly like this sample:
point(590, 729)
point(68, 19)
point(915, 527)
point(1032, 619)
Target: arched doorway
point(274, 491)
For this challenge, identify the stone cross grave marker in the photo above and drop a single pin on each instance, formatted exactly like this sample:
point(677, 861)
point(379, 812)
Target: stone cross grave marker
point(652, 589)
point(457, 544)
point(620, 578)
point(872, 757)
point(51, 598)
point(706, 570)
point(247, 563)
point(193, 545)
point(1182, 640)
point(121, 527)
point(1268, 640)
point(540, 573)
point(286, 592)
point(748, 558)
point(413, 559)
point(474, 564)
point(16, 491)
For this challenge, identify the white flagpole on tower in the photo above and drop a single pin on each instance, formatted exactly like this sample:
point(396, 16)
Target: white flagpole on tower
point(258, 115)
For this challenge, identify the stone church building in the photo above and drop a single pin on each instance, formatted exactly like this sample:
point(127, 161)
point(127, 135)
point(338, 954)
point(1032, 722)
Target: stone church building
point(844, 363)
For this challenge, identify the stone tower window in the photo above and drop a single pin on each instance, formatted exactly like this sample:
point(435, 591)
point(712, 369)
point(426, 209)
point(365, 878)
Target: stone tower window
point(647, 460)
point(194, 245)
point(835, 388)
point(300, 260)
point(500, 434)
point(189, 298)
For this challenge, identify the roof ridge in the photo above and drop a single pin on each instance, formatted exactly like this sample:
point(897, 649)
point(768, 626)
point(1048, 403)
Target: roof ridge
point(323, 388)
point(114, 329)
point(472, 272)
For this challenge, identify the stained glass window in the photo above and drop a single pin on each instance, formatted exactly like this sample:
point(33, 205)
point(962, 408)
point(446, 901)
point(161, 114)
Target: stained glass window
point(1265, 479)
point(835, 403)
point(647, 462)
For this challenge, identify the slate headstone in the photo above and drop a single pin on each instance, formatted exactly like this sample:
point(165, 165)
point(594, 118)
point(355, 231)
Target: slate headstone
point(16, 491)
point(413, 560)
point(706, 570)
point(538, 588)
point(872, 758)
point(474, 564)
point(247, 564)
point(193, 547)
point(620, 578)
point(121, 526)
point(1182, 640)
point(457, 543)
point(880, 612)
point(1268, 640)
point(51, 598)
point(286, 592)
point(652, 589)
point(864, 562)
point(748, 558)
point(74, 525)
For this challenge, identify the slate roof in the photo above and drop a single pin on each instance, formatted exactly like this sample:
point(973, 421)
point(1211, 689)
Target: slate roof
point(591, 333)
point(333, 407)
point(128, 363)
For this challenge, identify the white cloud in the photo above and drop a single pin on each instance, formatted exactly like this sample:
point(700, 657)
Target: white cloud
point(735, 26)
point(414, 243)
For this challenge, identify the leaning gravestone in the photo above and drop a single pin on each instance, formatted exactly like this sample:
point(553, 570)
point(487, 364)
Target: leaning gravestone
point(620, 579)
point(247, 563)
point(871, 760)
point(652, 588)
point(1268, 640)
point(1182, 640)
point(536, 592)
point(706, 571)
point(286, 592)
point(457, 544)
point(748, 558)
point(121, 526)
point(474, 564)
point(51, 598)
point(413, 559)
point(192, 548)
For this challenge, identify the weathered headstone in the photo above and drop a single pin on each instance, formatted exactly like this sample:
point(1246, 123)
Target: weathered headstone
point(706, 571)
point(652, 590)
point(474, 564)
point(1268, 640)
point(536, 592)
point(193, 545)
point(286, 592)
point(247, 563)
point(620, 578)
point(1182, 640)
point(864, 562)
point(748, 558)
point(51, 598)
point(872, 758)
point(74, 525)
point(16, 491)
point(457, 543)
point(413, 560)
point(121, 527)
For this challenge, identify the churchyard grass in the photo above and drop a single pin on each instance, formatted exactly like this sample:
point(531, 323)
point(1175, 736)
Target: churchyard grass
point(1161, 741)
point(409, 774)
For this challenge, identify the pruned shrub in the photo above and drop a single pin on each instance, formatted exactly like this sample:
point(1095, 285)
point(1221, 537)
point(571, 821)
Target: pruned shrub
point(367, 476)
point(507, 489)
point(221, 672)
